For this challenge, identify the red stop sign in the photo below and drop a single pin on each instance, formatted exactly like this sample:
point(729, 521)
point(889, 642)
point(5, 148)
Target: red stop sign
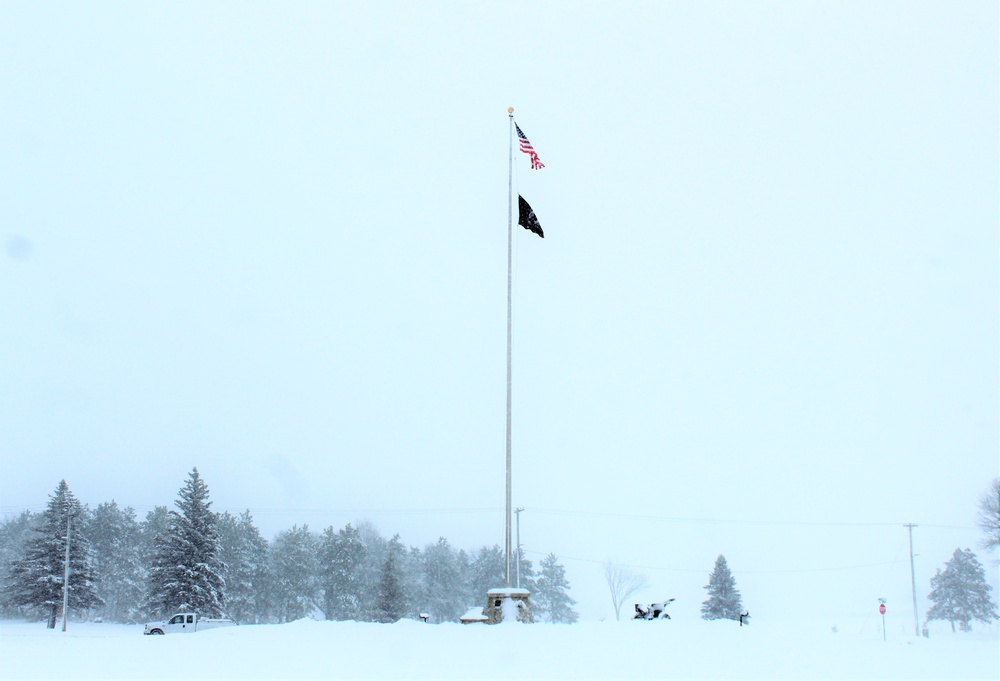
point(881, 608)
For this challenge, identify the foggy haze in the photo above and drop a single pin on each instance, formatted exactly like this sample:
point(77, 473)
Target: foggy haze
point(269, 241)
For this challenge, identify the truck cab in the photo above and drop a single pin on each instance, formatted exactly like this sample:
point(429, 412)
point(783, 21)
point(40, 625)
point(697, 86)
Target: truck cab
point(185, 623)
point(182, 623)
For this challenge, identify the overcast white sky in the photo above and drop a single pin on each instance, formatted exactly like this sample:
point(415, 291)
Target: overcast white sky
point(269, 240)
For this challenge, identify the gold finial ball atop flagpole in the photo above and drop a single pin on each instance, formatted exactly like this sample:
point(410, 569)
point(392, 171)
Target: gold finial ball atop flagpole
point(510, 109)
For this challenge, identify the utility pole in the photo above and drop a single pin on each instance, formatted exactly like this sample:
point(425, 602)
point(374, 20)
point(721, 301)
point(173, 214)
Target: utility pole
point(517, 512)
point(913, 582)
point(69, 527)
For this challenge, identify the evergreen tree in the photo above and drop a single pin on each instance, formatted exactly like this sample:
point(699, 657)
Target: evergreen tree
point(36, 581)
point(15, 533)
point(114, 535)
point(526, 576)
point(391, 600)
point(327, 548)
point(187, 572)
point(370, 572)
point(443, 581)
point(487, 572)
point(550, 597)
point(342, 554)
point(724, 600)
point(960, 593)
point(244, 553)
point(152, 531)
point(415, 582)
point(463, 588)
point(295, 574)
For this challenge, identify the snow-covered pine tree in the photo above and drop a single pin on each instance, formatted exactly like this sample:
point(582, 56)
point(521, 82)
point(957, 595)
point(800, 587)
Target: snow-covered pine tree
point(376, 549)
point(244, 553)
point(551, 598)
point(294, 574)
point(327, 581)
point(152, 531)
point(14, 535)
point(960, 593)
point(526, 578)
point(724, 600)
point(230, 551)
point(463, 590)
point(187, 573)
point(391, 601)
point(342, 556)
point(36, 580)
point(414, 581)
point(443, 579)
point(487, 572)
point(114, 536)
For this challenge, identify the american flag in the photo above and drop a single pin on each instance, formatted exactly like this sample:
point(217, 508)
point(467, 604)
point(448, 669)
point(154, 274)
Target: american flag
point(528, 149)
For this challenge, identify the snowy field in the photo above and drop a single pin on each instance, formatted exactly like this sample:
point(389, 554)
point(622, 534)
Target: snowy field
point(413, 650)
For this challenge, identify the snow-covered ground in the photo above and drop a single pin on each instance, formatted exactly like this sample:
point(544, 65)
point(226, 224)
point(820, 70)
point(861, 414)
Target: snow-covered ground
point(414, 650)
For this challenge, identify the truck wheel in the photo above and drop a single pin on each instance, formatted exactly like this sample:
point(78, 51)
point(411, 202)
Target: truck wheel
point(157, 632)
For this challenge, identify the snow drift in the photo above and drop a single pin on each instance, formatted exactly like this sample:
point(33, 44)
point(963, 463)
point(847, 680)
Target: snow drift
point(413, 650)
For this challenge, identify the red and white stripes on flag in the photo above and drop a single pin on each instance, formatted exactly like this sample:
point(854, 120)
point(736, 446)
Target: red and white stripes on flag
point(528, 149)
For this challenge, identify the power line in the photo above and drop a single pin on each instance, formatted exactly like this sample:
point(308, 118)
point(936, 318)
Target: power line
point(342, 511)
point(741, 572)
point(731, 521)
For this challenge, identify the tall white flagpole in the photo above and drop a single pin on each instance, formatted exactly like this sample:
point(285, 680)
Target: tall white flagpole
point(510, 238)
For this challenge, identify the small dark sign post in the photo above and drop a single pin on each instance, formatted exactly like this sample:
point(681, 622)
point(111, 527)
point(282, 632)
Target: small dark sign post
point(881, 611)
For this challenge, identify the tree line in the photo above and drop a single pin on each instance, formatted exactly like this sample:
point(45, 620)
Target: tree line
point(122, 569)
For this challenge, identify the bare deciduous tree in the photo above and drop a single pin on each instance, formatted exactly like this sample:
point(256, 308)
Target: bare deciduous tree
point(989, 515)
point(622, 584)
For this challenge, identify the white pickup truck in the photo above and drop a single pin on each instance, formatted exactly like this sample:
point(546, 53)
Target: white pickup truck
point(186, 623)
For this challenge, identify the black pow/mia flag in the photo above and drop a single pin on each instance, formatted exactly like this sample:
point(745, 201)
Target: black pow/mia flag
point(526, 217)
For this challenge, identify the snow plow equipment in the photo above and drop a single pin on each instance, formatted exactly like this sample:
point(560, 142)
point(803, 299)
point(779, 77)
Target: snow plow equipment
point(653, 611)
